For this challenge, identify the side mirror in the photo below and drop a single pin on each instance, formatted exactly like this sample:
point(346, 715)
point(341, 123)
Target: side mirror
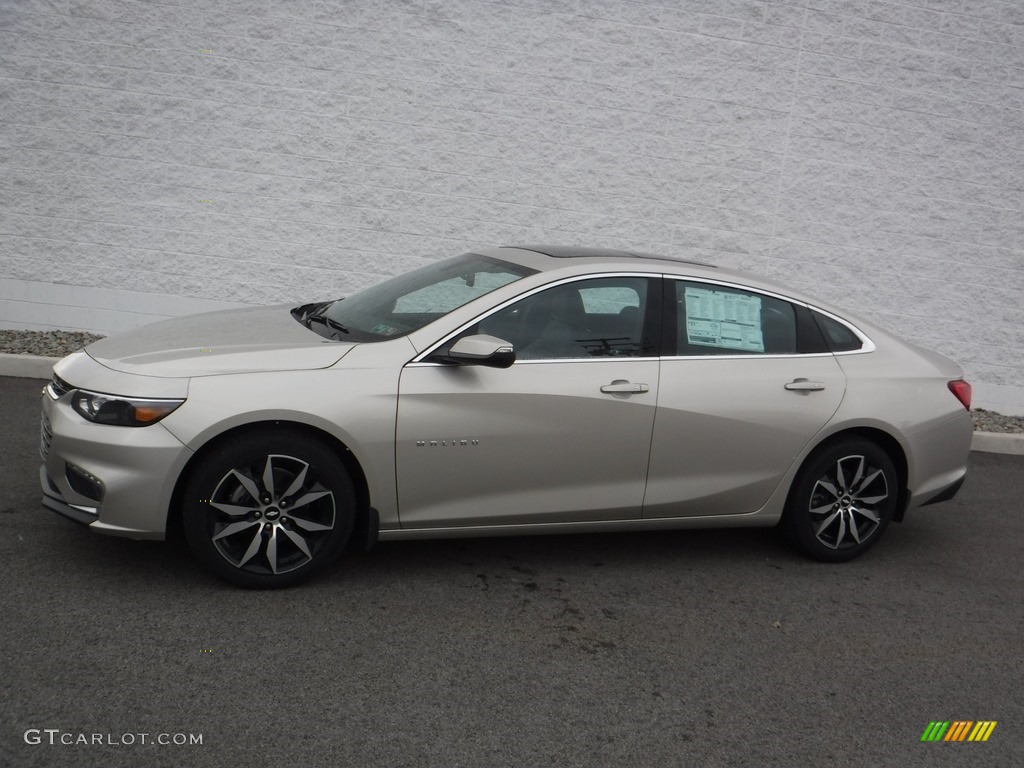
point(482, 350)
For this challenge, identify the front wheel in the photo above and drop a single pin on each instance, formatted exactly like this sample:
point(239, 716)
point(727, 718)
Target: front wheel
point(268, 511)
point(842, 500)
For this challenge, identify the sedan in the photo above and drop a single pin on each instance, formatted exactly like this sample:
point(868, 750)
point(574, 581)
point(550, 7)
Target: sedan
point(508, 391)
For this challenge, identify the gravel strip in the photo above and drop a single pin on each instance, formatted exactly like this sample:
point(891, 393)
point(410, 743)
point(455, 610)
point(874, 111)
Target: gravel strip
point(990, 421)
point(61, 343)
point(45, 343)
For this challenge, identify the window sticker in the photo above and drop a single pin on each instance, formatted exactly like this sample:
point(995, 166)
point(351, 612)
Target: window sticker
point(723, 319)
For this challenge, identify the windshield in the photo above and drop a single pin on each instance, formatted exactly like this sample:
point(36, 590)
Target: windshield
point(408, 302)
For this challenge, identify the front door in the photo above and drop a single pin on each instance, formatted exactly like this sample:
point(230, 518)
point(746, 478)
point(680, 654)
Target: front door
point(563, 435)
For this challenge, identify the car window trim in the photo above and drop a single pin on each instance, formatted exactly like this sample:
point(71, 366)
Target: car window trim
point(748, 356)
point(670, 315)
point(654, 278)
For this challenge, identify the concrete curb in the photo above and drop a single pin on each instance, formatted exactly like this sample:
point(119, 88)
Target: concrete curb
point(26, 366)
point(37, 367)
point(998, 442)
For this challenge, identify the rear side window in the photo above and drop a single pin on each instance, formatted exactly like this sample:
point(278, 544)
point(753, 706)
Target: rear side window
point(839, 337)
point(716, 320)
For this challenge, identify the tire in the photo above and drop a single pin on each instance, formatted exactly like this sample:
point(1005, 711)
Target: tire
point(238, 513)
point(842, 500)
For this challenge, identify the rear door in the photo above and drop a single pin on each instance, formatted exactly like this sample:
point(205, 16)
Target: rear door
point(746, 384)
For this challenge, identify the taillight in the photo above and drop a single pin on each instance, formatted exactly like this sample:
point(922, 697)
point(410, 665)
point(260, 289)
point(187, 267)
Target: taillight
point(962, 390)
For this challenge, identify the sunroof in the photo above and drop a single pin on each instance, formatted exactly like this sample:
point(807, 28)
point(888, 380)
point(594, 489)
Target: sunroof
point(577, 252)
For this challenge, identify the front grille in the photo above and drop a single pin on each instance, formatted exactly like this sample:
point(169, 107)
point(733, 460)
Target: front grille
point(45, 436)
point(58, 387)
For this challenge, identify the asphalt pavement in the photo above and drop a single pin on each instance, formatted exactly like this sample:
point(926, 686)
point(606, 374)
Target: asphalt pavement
point(689, 648)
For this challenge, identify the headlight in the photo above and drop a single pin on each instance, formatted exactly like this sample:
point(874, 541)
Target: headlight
point(121, 411)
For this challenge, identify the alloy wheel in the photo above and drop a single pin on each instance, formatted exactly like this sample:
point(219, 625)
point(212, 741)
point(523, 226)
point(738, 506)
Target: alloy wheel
point(271, 516)
point(847, 502)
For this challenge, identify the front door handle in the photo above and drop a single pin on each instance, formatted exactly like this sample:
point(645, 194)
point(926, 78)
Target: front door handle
point(803, 385)
point(623, 387)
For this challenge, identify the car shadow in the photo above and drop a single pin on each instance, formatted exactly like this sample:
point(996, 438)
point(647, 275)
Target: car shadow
point(692, 549)
point(99, 559)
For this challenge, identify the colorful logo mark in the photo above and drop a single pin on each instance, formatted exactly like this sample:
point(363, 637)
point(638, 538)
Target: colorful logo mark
point(958, 730)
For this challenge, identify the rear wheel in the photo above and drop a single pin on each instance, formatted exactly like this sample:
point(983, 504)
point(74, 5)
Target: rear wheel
point(268, 511)
point(842, 500)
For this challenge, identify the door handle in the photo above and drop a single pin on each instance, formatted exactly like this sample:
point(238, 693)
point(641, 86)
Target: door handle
point(803, 385)
point(623, 387)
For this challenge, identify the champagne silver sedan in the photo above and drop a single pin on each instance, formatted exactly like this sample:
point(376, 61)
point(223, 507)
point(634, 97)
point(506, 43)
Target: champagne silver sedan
point(514, 390)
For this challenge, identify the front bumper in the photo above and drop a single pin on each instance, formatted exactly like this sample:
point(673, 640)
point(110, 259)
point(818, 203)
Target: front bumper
point(136, 466)
point(54, 501)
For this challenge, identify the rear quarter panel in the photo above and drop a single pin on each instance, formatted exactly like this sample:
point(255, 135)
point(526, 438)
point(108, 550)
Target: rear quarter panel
point(903, 390)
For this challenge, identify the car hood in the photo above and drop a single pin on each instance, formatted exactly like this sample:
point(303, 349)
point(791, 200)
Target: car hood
point(230, 341)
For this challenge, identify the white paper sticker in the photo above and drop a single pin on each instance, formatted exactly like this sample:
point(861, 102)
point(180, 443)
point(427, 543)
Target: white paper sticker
point(723, 319)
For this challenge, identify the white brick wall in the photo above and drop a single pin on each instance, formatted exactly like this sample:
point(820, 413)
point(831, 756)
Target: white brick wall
point(234, 151)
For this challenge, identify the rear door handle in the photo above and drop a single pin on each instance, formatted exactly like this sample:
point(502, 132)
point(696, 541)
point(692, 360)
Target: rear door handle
point(623, 387)
point(803, 385)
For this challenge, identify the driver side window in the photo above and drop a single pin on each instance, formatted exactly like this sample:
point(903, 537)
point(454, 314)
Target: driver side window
point(600, 317)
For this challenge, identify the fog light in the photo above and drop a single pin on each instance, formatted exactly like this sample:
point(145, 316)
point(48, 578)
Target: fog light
point(84, 483)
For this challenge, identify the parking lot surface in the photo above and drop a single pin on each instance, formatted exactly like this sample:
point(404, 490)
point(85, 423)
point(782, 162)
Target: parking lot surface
point(689, 648)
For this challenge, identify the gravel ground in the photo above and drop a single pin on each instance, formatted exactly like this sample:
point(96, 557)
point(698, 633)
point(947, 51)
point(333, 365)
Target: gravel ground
point(990, 421)
point(60, 343)
point(45, 343)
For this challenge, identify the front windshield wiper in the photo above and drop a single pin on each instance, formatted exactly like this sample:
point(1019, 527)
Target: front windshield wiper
point(308, 314)
point(301, 313)
point(315, 318)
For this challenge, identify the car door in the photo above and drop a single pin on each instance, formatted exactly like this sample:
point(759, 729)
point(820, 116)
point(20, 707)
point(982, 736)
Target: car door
point(746, 384)
point(563, 435)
